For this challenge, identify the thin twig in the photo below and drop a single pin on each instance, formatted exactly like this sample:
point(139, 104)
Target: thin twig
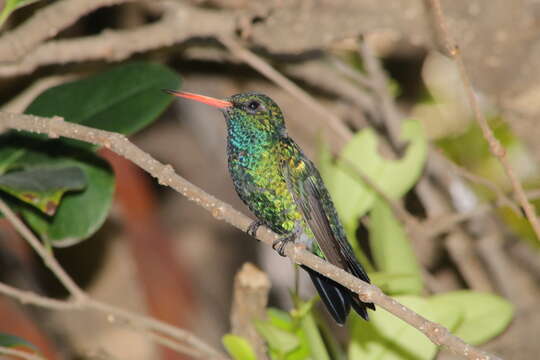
point(166, 176)
point(495, 146)
point(81, 300)
point(19, 354)
point(380, 88)
point(47, 258)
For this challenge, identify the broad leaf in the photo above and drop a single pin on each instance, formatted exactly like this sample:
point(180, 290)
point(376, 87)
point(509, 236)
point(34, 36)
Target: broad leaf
point(124, 99)
point(484, 315)
point(80, 213)
point(278, 340)
point(43, 187)
point(352, 197)
point(392, 250)
point(238, 347)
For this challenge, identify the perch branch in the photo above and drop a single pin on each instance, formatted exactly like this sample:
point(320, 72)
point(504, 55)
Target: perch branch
point(81, 300)
point(166, 175)
point(495, 146)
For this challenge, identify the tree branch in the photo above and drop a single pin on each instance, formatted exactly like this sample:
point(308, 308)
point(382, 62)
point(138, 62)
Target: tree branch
point(165, 174)
point(175, 26)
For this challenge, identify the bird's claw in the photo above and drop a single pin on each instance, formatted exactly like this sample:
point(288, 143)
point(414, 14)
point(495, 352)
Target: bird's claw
point(253, 227)
point(279, 244)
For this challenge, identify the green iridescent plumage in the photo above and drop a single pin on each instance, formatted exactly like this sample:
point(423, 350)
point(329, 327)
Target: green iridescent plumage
point(284, 190)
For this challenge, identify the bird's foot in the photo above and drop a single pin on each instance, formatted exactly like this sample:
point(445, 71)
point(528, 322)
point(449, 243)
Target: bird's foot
point(279, 244)
point(253, 227)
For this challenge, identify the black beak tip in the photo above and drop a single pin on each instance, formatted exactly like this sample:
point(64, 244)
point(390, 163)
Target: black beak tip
point(168, 91)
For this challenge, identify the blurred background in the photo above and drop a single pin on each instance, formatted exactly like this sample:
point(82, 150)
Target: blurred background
point(160, 254)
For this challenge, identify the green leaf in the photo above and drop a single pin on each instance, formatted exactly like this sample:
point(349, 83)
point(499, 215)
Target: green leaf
point(484, 315)
point(280, 319)
point(124, 99)
point(352, 197)
point(392, 250)
point(80, 213)
point(386, 337)
point(278, 339)
point(43, 187)
point(238, 347)
point(11, 341)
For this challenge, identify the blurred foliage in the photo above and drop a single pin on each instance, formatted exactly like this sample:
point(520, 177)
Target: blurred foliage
point(12, 341)
point(64, 177)
point(360, 157)
point(238, 347)
point(446, 114)
point(389, 242)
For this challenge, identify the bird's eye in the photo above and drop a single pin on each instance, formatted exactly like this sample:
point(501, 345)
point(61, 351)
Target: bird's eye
point(253, 105)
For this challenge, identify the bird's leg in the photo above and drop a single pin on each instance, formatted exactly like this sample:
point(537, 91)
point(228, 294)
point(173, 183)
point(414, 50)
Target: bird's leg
point(253, 227)
point(279, 244)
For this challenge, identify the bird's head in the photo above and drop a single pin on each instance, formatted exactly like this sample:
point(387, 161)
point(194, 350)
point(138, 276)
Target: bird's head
point(256, 111)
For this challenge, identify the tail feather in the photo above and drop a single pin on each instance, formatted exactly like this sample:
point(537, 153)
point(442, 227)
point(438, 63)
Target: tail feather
point(335, 297)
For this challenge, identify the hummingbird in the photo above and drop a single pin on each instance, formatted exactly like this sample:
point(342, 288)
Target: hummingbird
point(285, 192)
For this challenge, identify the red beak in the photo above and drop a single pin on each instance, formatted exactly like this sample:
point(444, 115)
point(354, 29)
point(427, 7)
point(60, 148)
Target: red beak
point(221, 104)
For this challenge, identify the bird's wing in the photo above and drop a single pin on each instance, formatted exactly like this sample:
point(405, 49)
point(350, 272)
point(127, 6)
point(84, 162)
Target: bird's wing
point(312, 200)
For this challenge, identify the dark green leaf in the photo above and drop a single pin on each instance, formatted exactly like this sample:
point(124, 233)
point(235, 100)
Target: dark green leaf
point(43, 187)
point(124, 99)
point(80, 213)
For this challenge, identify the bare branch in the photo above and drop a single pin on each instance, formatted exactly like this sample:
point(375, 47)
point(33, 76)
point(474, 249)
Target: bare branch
point(47, 258)
point(495, 146)
point(166, 176)
point(45, 24)
point(175, 26)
